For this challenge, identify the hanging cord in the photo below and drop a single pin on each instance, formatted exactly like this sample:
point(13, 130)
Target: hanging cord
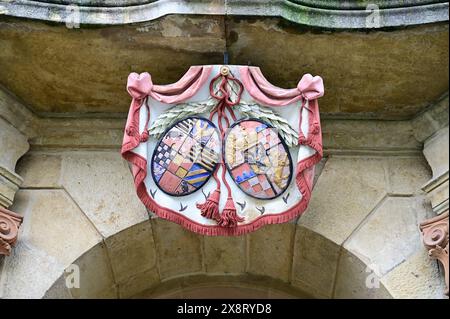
point(210, 209)
point(133, 129)
point(313, 128)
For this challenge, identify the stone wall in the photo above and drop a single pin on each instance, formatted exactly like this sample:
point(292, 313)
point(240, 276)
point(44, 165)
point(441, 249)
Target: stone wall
point(83, 210)
point(359, 237)
point(366, 77)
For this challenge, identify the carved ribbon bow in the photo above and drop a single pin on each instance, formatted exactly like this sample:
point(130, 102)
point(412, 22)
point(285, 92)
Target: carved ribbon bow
point(139, 86)
point(310, 87)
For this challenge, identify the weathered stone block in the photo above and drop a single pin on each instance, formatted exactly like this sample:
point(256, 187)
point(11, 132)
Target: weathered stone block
point(138, 283)
point(28, 273)
point(390, 234)
point(179, 250)
point(96, 278)
point(407, 175)
point(345, 193)
point(40, 170)
point(102, 186)
point(270, 251)
point(315, 261)
point(132, 251)
point(225, 254)
point(436, 151)
point(355, 279)
point(13, 144)
point(55, 225)
point(418, 277)
point(58, 290)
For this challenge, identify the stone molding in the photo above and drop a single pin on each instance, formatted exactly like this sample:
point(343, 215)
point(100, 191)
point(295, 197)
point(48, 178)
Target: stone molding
point(431, 128)
point(374, 137)
point(13, 144)
point(9, 185)
point(435, 239)
point(324, 14)
point(437, 190)
point(9, 230)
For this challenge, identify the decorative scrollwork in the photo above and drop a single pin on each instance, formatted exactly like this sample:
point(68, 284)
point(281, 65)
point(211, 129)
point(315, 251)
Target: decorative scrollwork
point(9, 229)
point(436, 239)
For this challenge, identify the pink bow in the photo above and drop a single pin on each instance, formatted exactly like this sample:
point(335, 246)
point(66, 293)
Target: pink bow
point(139, 85)
point(311, 87)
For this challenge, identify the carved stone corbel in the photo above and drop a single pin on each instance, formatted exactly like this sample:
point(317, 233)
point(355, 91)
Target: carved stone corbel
point(435, 239)
point(9, 229)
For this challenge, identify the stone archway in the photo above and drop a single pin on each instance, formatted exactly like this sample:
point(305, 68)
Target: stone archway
point(357, 203)
point(107, 269)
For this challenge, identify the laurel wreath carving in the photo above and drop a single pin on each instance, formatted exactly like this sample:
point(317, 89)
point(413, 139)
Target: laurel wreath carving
point(289, 135)
point(180, 111)
point(249, 110)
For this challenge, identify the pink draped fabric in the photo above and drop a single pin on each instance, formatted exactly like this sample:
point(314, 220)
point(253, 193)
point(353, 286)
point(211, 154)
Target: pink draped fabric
point(139, 86)
point(309, 88)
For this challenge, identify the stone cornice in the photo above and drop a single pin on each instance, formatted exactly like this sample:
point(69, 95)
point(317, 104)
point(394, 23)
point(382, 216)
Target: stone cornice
point(323, 14)
point(435, 182)
point(340, 137)
point(9, 229)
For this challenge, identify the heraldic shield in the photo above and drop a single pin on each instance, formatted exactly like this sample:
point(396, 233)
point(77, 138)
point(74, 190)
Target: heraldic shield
point(222, 151)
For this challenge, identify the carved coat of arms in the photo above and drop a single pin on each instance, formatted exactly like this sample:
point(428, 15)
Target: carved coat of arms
point(222, 151)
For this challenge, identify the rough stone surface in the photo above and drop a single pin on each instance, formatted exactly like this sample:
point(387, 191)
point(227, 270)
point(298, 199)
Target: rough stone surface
point(407, 175)
point(345, 193)
point(55, 225)
point(132, 251)
point(418, 277)
point(179, 251)
point(16, 114)
point(136, 284)
point(40, 170)
point(102, 186)
point(92, 78)
point(96, 278)
point(353, 136)
point(355, 279)
point(28, 273)
point(15, 142)
point(357, 89)
point(314, 263)
point(270, 251)
point(390, 234)
point(432, 120)
point(225, 254)
point(436, 152)
point(58, 290)
point(223, 286)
